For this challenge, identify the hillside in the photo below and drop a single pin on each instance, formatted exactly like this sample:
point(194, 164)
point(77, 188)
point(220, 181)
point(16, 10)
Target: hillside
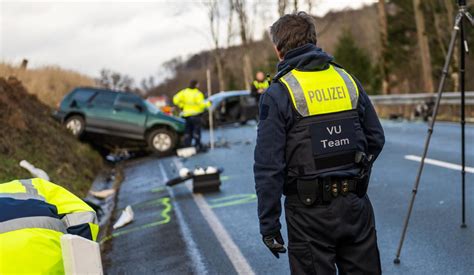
point(363, 27)
point(29, 132)
point(49, 83)
point(360, 23)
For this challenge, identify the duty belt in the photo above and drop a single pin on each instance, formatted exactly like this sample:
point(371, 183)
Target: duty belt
point(324, 190)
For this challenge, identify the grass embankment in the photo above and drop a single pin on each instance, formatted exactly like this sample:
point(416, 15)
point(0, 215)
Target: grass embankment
point(29, 132)
point(49, 83)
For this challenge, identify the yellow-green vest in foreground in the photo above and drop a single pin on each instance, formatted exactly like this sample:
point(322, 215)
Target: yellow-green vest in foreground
point(191, 102)
point(321, 92)
point(34, 214)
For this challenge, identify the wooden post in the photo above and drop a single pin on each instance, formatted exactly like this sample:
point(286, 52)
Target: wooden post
point(24, 64)
point(211, 122)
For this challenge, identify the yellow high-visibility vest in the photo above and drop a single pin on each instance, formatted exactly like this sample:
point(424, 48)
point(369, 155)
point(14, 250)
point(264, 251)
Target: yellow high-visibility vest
point(321, 92)
point(261, 85)
point(191, 102)
point(34, 214)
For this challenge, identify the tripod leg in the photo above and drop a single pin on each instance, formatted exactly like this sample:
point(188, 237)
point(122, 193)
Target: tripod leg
point(427, 141)
point(462, 69)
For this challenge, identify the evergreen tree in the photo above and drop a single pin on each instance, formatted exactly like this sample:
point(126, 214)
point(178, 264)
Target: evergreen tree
point(357, 62)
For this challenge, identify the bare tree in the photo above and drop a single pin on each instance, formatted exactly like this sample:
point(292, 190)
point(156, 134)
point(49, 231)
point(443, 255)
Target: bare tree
point(295, 5)
point(214, 24)
point(282, 7)
point(310, 6)
point(423, 47)
point(114, 80)
point(230, 22)
point(454, 65)
point(384, 47)
point(240, 8)
point(147, 84)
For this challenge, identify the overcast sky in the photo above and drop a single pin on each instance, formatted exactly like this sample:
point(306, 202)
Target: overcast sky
point(132, 37)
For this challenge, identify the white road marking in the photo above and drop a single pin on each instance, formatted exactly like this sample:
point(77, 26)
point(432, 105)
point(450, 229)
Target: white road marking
point(228, 245)
point(191, 246)
point(440, 163)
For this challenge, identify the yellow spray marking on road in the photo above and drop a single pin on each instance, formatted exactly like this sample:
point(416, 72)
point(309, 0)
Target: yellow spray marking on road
point(165, 214)
point(233, 200)
point(143, 204)
point(158, 189)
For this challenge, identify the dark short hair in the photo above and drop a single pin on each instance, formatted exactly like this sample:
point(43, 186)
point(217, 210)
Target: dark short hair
point(292, 31)
point(193, 83)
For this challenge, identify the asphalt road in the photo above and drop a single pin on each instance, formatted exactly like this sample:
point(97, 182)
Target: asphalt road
point(178, 232)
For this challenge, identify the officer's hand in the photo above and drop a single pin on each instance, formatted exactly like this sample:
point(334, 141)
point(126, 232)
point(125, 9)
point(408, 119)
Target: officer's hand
point(275, 243)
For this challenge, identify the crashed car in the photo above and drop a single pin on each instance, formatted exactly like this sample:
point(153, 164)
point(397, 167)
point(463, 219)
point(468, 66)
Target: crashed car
point(231, 107)
point(119, 115)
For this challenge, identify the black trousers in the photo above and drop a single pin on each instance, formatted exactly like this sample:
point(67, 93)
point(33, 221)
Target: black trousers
point(193, 131)
point(341, 233)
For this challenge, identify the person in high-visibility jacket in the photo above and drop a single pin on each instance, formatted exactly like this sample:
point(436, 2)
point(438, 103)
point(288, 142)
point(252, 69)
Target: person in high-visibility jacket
point(34, 214)
point(192, 104)
point(259, 86)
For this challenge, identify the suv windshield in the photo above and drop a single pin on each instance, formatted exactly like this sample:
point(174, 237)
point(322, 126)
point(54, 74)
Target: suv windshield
point(151, 108)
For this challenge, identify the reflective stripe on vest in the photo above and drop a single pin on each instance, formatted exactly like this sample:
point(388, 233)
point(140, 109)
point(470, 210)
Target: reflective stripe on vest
point(78, 218)
point(321, 92)
point(32, 222)
point(30, 192)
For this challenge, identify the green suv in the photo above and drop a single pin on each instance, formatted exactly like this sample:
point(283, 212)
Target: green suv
point(119, 114)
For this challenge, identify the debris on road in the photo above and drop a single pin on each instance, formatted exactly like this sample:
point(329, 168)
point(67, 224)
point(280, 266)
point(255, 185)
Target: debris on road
point(125, 218)
point(204, 179)
point(186, 152)
point(102, 194)
point(36, 172)
point(206, 182)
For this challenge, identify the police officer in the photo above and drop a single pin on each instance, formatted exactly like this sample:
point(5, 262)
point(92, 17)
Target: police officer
point(191, 102)
point(259, 85)
point(34, 214)
point(317, 138)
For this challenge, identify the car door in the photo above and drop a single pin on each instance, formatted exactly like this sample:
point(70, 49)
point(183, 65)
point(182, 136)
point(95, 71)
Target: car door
point(233, 109)
point(249, 107)
point(99, 112)
point(129, 116)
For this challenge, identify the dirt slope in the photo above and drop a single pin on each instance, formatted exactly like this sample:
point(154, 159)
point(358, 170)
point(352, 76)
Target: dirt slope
point(29, 132)
point(49, 83)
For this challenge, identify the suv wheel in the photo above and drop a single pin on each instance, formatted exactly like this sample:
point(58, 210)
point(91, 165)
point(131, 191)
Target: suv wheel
point(162, 141)
point(75, 124)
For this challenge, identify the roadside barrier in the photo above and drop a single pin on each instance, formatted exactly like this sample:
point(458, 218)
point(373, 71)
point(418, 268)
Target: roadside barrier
point(404, 105)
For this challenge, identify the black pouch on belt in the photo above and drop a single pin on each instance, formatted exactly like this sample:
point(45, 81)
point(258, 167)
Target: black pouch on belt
point(363, 182)
point(307, 191)
point(364, 176)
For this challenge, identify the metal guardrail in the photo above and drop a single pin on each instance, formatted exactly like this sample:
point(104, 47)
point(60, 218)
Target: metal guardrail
point(448, 98)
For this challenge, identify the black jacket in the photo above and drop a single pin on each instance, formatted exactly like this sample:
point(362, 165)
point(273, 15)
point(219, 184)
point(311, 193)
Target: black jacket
point(277, 117)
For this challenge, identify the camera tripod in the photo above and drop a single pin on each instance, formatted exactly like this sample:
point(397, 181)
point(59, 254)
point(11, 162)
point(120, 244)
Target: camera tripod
point(462, 15)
